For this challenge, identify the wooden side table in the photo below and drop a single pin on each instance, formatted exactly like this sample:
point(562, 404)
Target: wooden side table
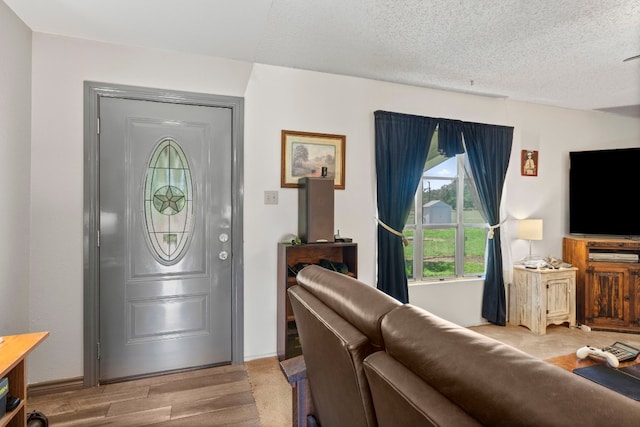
point(296, 372)
point(14, 349)
point(542, 297)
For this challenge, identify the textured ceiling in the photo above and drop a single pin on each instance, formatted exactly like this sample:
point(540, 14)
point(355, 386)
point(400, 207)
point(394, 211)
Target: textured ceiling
point(567, 53)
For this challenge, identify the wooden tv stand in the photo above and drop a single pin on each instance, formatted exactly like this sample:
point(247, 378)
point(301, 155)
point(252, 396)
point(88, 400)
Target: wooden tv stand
point(13, 352)
point(607, 281)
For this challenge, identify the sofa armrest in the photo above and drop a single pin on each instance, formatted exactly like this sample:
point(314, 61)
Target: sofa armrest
point(295, 371)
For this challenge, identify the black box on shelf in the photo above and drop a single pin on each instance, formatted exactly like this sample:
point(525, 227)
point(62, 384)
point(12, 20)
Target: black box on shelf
point(315, 210)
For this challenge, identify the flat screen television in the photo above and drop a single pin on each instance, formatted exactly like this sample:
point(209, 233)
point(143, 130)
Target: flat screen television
point(603, 188)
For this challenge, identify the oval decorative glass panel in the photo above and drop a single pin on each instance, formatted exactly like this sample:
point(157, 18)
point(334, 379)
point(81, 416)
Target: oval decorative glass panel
point(168, 202)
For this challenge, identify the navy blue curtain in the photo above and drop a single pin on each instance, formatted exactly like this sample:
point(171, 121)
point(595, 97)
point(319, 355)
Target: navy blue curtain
point(402, 144)
point(450, 137)
point(488, 149)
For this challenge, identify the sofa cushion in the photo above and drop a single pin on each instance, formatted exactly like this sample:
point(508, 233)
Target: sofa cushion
point(496, 383)
point(358, 303)
point(401, 398)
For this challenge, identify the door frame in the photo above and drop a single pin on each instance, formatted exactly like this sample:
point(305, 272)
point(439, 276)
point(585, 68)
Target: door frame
point(91, 256)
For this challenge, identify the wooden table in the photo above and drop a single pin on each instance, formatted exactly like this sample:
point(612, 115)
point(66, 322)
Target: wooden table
point(295, 370)
point(13, 352)
point(571, 362)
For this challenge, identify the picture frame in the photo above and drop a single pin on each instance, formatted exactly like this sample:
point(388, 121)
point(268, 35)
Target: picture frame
point(529, 163)
point(307, 154)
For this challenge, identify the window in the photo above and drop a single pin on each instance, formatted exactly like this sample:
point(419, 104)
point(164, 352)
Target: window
point(445, 224)
point(168, 202)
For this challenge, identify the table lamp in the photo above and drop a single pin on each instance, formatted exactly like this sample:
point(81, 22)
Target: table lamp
point(530, 229)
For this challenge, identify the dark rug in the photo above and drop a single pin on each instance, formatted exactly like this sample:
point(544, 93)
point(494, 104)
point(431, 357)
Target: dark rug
point(614, 379)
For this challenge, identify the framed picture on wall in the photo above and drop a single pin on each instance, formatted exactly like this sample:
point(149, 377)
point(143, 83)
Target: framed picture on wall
point(307, 154)
point(529, 163)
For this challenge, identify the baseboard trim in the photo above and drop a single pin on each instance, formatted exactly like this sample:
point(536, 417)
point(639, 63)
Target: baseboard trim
point(57, 386)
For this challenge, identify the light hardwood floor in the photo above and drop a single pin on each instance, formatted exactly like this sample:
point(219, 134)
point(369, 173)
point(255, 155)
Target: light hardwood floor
point(208, 397)
point(254, 394)
point(558, 340)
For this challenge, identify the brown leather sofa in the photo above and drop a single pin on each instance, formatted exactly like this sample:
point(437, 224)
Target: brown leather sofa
point(372, 361)
point(338, 320)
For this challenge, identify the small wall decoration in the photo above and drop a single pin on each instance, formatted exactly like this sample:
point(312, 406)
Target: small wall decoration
point(529, 163)
point(307, 154)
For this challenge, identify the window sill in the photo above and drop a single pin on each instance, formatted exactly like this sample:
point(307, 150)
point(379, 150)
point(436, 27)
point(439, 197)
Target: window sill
point(451, 280)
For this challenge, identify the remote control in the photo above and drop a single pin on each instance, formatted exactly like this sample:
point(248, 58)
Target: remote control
point(587, 350)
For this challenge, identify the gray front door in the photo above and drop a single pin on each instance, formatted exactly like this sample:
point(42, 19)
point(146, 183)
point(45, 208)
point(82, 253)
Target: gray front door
point(165, 276)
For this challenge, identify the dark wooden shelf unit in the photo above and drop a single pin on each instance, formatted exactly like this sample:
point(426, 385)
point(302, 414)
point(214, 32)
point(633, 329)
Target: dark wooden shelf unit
point(290, 256)
point(607, 282)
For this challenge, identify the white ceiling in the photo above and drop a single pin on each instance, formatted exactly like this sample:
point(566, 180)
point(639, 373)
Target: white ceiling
point(567, 53)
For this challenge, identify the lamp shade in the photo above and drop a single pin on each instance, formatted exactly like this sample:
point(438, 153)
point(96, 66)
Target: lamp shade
point(530, 229)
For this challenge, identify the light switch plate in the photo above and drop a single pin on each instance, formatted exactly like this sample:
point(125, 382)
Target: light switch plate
point(270, 197)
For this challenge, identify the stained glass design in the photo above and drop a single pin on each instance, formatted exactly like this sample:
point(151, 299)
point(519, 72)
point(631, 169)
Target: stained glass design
point(168, 202)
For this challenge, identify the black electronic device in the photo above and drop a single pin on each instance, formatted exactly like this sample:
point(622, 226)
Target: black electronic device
point(12, 403)
point(316, 210)
point(623, 352)
point(599, 182)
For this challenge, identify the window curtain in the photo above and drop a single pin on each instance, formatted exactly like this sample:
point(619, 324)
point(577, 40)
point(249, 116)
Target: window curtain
point(450, 137)
point(488, 148)
point(402, 143)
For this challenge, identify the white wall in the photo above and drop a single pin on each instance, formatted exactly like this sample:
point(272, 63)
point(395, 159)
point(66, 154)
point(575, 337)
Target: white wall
point(15, 153)
point(281, 98)
point(275, 99)
point(554, 132)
